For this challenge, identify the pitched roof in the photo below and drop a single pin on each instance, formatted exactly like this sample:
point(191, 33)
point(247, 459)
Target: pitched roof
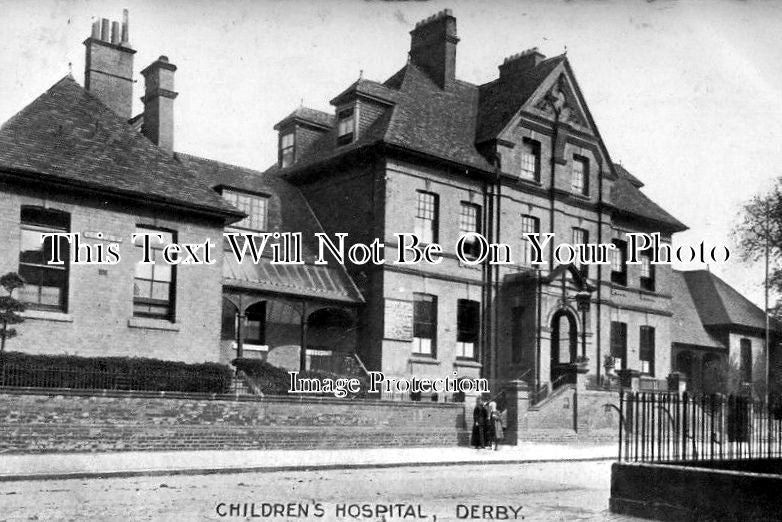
point(450, 123)
point(367, 88)
point(421, 117)
point(68, 135)
point(623, 172)
point(502, 98)
point(686, 325)
point(288, 212)
point(438, 122)
point(628, 199)
point(720, 305)
point(305, 114)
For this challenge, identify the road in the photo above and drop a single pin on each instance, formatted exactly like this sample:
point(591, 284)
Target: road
point(546, 491)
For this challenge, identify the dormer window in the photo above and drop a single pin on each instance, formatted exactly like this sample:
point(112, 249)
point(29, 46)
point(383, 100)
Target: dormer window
point(287, 143)
point(346, 126)
point(254, 205)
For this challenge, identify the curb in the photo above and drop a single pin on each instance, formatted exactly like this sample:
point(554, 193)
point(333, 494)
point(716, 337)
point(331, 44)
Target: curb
point(270, 469)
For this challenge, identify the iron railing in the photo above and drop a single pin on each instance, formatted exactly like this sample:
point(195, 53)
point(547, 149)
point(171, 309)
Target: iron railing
point(658, 427)
point(24, 376)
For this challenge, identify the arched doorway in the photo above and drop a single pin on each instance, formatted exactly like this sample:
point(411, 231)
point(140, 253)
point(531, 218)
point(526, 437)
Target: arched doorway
point(331, 341)
point(564, 341)
point(684, 364)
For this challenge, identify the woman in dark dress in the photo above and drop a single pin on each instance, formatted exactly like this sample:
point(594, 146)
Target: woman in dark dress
point(480, 420)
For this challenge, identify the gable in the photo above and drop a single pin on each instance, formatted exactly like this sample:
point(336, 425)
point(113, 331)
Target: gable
point(556, 99)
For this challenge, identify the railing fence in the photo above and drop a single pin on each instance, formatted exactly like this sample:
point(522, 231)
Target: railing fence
point(668, 427)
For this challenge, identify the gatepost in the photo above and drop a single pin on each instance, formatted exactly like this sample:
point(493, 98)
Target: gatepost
point(517, 395)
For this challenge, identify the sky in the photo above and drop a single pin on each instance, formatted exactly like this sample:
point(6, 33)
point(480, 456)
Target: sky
point(687, 95)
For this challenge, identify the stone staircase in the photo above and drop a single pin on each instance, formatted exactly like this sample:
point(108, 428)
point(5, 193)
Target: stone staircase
point(568, 415)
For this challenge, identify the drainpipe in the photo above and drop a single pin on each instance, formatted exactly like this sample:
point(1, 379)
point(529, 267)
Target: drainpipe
point(488, 206)
point(539, 311)
point(303, 349)
point(496, 268)
point(598, 323)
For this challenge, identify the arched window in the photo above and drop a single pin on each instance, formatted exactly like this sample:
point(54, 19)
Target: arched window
point(255, 329)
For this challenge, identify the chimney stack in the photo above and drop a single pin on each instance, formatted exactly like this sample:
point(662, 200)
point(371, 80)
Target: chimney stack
point(158, 101)
point(433, 47)
point(521, 62)
point(108, 71)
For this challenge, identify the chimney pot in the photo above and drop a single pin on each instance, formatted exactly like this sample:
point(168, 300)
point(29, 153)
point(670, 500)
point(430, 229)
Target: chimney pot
point(115, 36)
point(108, 71)
point(104, 30)
point(125, 29)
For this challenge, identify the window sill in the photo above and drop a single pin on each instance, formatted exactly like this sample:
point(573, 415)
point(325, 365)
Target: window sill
point(579, 195)
point(252, 347)
point(47, 315)
point(152, 324)
point(528, 181)
point(467, 363)
point(423, 359)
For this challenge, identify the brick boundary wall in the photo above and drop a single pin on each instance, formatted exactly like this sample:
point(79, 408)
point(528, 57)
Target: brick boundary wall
point(56, 420)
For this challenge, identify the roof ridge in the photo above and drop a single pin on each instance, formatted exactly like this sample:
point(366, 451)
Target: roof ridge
point(217, 162)
point(98, 148)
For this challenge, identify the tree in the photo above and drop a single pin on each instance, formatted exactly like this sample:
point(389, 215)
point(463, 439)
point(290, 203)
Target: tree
point(9, 308)
point(759, 237)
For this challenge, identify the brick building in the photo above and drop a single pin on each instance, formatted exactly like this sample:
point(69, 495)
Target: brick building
point(421, 152)
point(424, 151)
point(71, 162)
point(74, 160)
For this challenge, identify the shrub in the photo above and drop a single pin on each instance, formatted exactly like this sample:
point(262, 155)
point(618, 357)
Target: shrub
point(269, 379)
point(272, 380)
point(115, 373)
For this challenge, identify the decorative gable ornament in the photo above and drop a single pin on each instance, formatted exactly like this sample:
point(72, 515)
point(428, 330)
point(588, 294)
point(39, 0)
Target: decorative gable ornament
point(556, 104)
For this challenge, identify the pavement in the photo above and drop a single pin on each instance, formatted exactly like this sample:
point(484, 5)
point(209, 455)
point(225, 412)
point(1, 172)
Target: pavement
point(54, 466)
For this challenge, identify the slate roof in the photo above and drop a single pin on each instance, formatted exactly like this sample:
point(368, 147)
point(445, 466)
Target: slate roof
point(422, 118)
point(720, 305)
point(438, 122)
point(686, 325)
point(628, 199)
point(623, 172)
point(68, 135)
point(320, 118)
point(368, 88)
point(292, 214)
point(450, 124)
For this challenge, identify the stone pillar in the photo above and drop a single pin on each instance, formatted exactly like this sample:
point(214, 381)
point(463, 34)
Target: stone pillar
point(629, 379)
point(677, 383)
point(581, 378)
point(517, 398)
